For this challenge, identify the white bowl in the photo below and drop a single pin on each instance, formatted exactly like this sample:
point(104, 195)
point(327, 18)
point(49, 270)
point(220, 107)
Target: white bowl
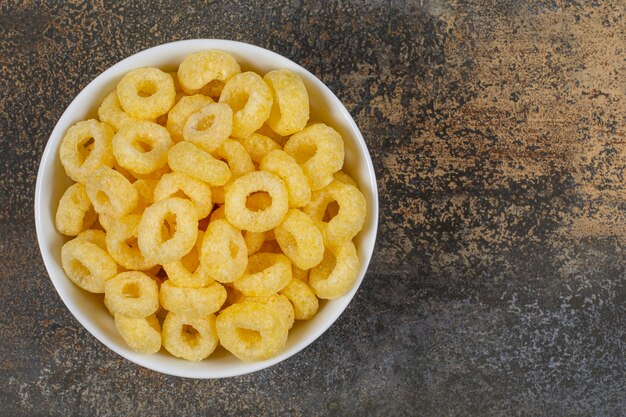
point(89, 309)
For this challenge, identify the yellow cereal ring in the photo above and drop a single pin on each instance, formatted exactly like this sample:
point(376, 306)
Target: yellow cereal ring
point(87, 264)
point(254, 240)
point(238, 161)
point(258, 146)
point(319, 149)
point(178, 116)
point(132, 294)
point(345, 178)
point(177, 86)
point(279, 303)
point(192, 301)
point(251, 331)
point(168, 230)
point(95, 236)
point(300, 240)
point(176, 184)
point(189, 159)
point(287, 169)
point(145, 193)
point(224, 255)
point(189, 337)
point(251, 101)
point(209, 127)
point(305, 303)
point(121, 241)
point(207, 68)
point(111, 112)
point(74, 213)
point(142, 147)
point(290, 110)
point(265, 275)
point(142, 335)
point(349, 220)
point(188, 272)
point(236, 157)
point(146, 93)
point(111, 193)
point(86, 147)
point(301, 274)
point(244, 218)
point(337, 272)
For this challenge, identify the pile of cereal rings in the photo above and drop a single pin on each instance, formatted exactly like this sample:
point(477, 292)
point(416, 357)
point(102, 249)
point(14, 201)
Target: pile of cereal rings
point(208, 209)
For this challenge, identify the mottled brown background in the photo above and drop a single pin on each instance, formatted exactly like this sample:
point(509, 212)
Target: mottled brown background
point(499, 279)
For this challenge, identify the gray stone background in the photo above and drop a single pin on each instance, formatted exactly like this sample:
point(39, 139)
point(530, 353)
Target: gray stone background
point(497, 132)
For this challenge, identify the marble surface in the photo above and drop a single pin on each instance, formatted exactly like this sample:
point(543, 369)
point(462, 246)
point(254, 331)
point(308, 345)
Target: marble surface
point(499, 279)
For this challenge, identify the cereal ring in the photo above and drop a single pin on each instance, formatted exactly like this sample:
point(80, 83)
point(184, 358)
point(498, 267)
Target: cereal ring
point(188, 272)
point(345, 178)
point(224, 254)
point(111, 112)
point(280, 304)
point(122, 243)
point(189, 337)
point(181, 185)
point(141, 335)
point(251, 101)
point(337, 272)
point(132, 294)
point(236, 196)
point(146, 93)
point(258, 146)
point(319, 149)
point(168, 230)
point(209, 127)
point(207, 68)
point(178, 116)
point(87, 264)
point(111, 193)
point(95, 236)
point(141, 147)
point(305, 303)
point(192, 301)
point(236, 157)
point(352, 209)
point(265, 275)
point(238, 160)
point(251, 331)
point(189, 159)
point(290, 110)
point(74, 213)
point(86, 147)
point(300, 240)
point(287, 169)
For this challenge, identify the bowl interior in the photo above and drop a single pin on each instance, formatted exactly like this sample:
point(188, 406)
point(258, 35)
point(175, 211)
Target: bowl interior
point(51, 183)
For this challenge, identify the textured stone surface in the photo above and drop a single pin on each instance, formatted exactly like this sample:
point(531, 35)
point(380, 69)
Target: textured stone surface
point(499, 280)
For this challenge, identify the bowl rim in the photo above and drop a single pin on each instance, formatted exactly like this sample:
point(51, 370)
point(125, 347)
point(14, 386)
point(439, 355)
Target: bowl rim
point(50, 152)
